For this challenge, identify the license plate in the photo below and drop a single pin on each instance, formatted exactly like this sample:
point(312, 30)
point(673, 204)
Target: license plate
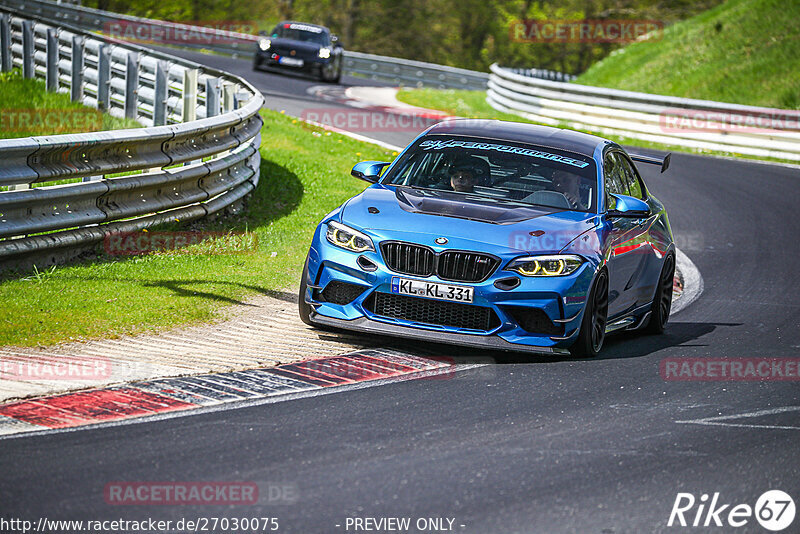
point(433, 290)
point(290, 61)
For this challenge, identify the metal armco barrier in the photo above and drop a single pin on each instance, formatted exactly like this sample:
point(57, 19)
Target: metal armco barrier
point(197, 155)
point(544, 74)
point(414, 73)
point(698, 124)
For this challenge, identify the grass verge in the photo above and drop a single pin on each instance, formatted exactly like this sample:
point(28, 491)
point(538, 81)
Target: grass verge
point(742, 51)
point(304, 175)
point(27, 109)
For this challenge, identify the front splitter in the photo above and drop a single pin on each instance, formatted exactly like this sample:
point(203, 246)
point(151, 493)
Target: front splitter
point(368, 326)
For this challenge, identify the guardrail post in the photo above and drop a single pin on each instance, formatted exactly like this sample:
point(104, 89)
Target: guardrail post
point(131, 84)
point(212, 97)
point(5, 43)
point(189, 95)
point(228, 91)
point(76, 81)
point(237, 98)
point(51, 78)
point(103, 77)
point(27, 49)
point(160, 95)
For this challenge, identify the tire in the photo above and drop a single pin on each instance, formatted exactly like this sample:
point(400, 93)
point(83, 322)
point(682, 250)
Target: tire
point(593, 326)
point(303, 308)
point(662, 301)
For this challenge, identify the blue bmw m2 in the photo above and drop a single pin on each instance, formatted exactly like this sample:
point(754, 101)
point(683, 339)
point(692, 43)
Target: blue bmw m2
point(500, 235)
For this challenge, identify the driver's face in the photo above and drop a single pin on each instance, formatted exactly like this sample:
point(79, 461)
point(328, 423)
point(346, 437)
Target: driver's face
point(565, 182)
point(462, 181)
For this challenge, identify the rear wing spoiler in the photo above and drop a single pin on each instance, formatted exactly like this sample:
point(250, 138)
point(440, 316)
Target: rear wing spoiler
point(652, 161)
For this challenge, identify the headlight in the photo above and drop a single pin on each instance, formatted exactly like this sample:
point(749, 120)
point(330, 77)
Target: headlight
point(324, 53)
point(348, 238)
point(556, 265)
point(264, 44)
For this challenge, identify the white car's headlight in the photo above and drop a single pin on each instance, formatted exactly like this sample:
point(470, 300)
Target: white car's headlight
point(324, 53)
point(348, 238)
point(264, 44)
point(553, 265)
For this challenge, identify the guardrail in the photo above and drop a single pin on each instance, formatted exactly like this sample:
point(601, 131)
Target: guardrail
point(197, 155)
point(371, 66)
point(544, 74)
point(698, 124)
point(415, 73)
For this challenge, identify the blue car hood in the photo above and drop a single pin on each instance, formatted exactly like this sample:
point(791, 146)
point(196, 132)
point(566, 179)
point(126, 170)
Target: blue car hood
point(467, 222)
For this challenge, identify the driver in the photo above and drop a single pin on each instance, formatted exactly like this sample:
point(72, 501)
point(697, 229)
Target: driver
point(462, 178)
point(569, 185)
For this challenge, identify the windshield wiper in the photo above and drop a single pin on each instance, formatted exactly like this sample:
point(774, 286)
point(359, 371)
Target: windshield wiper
point(431, 191)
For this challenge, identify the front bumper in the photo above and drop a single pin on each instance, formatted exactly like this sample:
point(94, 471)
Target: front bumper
point(368, 326)
point(560, 299)
point(311, 65)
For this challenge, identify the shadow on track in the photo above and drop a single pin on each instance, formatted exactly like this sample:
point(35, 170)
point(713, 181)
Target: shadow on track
point(618, 346)
point(278, 194)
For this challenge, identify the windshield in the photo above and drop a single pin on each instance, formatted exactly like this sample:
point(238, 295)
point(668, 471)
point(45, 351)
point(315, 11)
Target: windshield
point(499, 170)
point(301, 32)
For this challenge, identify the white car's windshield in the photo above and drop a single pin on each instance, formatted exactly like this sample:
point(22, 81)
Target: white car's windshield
point(500, 170)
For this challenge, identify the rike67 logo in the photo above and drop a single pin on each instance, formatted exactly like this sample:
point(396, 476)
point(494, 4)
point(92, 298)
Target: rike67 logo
point(774, 510)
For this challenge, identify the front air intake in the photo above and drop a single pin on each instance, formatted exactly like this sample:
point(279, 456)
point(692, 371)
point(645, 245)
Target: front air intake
point(432, 312)
point(338, 292)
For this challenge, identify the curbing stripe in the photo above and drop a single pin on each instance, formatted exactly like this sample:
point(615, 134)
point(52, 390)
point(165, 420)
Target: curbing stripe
point(175, 393)
point(150, 398)
point(9, 425)
point(299, 374)
point(281, 383)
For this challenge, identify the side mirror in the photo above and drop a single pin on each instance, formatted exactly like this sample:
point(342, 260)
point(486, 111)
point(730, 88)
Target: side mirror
point(369, 171)
point(335, 40)
point(630, 207)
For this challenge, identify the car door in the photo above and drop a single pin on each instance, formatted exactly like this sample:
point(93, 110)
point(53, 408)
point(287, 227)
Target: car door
point(642, 283)
point(624, 240)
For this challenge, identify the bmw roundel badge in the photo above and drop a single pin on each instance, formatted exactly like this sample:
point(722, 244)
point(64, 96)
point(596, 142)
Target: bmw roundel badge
point(441, 240)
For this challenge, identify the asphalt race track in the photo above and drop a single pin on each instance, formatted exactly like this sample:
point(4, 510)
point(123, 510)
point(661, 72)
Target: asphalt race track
point(522, 445)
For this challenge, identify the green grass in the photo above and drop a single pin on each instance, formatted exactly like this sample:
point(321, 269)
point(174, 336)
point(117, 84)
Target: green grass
point(743, 51)
point(27, 109)
point(472, 104)
point(458, 102)
point(304, 175)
